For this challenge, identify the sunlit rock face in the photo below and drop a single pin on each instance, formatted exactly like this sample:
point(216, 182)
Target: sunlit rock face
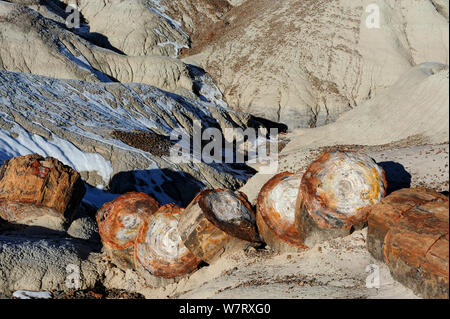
point(306, 62)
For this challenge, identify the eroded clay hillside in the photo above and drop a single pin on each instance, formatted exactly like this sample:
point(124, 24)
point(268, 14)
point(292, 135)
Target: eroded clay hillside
point(115, 145)
point(302, 63)
point(88, 114)
point(305, 62)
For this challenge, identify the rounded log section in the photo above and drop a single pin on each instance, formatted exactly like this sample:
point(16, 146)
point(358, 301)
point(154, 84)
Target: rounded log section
point(336, 193)
point(275, 214)
point(416, 249)
point(386, 213)
point(119, 223)
point(159, 248)
point(217, 221)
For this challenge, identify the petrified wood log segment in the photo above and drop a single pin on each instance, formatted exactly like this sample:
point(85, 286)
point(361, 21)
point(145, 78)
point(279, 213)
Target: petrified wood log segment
point(119, 223)
point(217, 221)
point(36, 182)
point(386, 213)
point(336, 193)
point(416, 249)
point(275, 215)
point(159, 248)
point(32, 215)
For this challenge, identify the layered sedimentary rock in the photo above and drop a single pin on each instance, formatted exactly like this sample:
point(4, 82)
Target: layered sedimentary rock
point(33, 188)
point(115, 135)
point(217, 221)
point(306, 62)
point(159, 248)
point(136, 28)
point(119, 223)
point(275, 215)
point(31, 43)
point(155, 27)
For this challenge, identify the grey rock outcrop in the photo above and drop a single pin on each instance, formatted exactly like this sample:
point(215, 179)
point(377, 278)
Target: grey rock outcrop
point(87, 126)
point(32, 43)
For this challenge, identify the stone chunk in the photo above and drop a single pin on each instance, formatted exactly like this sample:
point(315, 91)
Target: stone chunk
point(336, 193)
point(386, 213)
point(32, 187)
point(159, 248)
point(217, 221)
point(276, 212)
point(417, 252)
point(119, 223)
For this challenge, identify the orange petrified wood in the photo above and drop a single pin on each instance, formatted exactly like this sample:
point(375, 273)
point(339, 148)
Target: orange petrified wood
point(32, 186)
point(275, 215)
point(391, 208)
point(336, 193)
point(217, 221)
point(119, 223)
point(416, 249)
point(159, 248)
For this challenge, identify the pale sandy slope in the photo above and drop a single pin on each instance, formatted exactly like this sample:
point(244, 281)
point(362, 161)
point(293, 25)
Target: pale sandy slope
point(33, 43)
point(416, 105)
point(149, 27)
point(410, 120)
point(304, 62)
point(335, 269)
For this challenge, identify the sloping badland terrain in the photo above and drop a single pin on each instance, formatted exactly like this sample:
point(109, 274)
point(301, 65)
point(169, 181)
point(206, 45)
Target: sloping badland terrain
point(97, 102)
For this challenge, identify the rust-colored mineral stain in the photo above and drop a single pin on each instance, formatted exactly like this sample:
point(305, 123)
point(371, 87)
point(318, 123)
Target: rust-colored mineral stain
point(38, 169)
point(231, 212)
point(42, 182)
point(215, 222)
point(416, 249)
point(276, 207)
point(339, 188)
point(119, 221)
point(386, 214)
point(159, 247)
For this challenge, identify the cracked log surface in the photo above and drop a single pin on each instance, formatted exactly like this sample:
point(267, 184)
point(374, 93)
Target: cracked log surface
point(217, 222)
point(275, 215)
point(159, 248)
point(336, 193)
point(119, 223)
point(32, 187)
point(416, 249)
point(384, 215)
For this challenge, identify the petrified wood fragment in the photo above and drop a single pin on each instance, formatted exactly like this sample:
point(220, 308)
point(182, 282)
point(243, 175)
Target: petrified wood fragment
point(416, 249)
point(32, 187)
point(386, 213)
point(217, 221)
point(336, 193)
point(119, 223)
point(275, 215)
point(159, 248)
